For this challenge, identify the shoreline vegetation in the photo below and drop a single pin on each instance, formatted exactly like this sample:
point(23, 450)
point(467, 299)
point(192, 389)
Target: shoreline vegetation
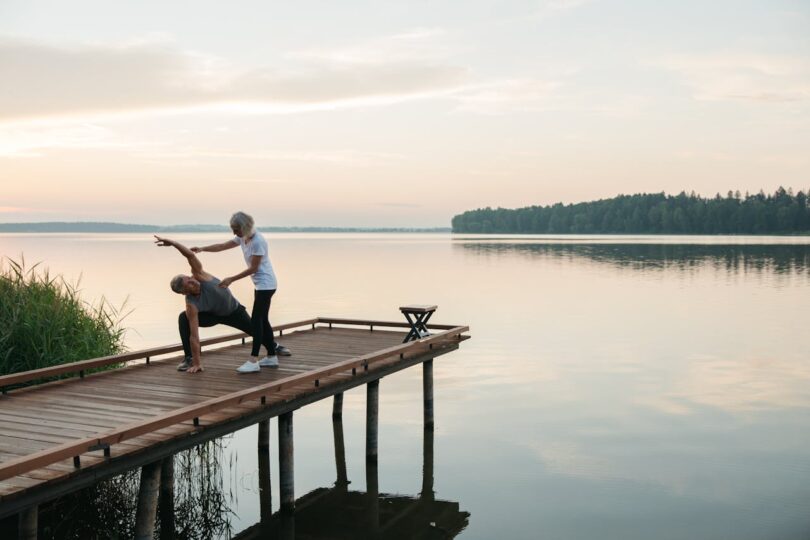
point(45, 322)
point(782, 213)
point(108, 227)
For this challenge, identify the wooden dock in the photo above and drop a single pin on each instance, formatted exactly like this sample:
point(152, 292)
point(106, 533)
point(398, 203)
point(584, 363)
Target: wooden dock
point(59, 436)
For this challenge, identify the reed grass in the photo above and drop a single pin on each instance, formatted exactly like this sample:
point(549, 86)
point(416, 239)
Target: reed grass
point(45, 322)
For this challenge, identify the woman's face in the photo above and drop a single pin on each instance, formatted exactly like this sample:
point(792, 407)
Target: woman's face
point(237, 231)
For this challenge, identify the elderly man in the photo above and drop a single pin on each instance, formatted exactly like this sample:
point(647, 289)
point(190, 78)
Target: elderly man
point(207, 304)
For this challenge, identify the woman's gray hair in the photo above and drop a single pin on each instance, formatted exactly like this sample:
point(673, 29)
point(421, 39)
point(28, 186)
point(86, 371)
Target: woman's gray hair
point(177, 283)
point(244, 223)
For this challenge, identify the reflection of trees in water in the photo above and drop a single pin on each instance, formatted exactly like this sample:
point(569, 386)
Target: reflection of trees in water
point(777, 259)
point(107, 509)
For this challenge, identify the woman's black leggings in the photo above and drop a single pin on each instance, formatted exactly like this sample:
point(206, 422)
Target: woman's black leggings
point(260, 322)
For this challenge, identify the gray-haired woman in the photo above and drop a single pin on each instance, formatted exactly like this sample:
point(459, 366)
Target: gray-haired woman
point(260, 270)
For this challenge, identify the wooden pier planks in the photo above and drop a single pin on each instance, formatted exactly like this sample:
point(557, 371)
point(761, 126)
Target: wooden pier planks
point(57, 419)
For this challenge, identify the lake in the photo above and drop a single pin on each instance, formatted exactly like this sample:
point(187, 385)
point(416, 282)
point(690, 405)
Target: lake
point(614, 387)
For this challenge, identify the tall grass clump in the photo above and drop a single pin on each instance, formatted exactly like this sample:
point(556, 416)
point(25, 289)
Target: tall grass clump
point(44, 321)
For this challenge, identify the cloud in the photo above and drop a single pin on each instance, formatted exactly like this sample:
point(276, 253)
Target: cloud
point(43, 80)
point(513, 95)
point(759, 78)
point(30, 141)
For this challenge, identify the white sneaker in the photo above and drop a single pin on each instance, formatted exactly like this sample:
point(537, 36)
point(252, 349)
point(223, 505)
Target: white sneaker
point(424, 333)
point(269, 361)
point(249, 367)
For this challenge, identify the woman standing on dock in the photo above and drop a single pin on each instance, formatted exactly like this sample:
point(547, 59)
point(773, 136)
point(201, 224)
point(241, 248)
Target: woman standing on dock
point(260, 270)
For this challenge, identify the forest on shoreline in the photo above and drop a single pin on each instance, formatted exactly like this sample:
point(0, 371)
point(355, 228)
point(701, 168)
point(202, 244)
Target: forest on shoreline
point(783, 212)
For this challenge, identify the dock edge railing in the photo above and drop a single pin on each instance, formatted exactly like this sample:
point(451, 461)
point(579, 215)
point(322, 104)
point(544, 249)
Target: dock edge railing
point(103, 441)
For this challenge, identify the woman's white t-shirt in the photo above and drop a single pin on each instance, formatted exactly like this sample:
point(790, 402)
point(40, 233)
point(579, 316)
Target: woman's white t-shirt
point(264, 278)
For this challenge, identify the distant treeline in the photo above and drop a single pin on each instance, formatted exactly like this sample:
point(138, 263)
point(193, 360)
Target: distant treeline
point(653, 213)
point(104, 227)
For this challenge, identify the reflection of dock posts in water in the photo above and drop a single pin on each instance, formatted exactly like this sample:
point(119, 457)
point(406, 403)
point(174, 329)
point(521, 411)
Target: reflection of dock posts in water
point(166, 501)
point(147, 501)
point(27, 523)
point(342, 481)
point(285, 463)
point(265, 494)
point(372, 479)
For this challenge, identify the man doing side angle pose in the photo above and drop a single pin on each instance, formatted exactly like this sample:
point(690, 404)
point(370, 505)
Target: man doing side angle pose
point(207, 304)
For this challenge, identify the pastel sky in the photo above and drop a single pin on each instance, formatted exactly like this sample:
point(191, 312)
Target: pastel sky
point(382, 113)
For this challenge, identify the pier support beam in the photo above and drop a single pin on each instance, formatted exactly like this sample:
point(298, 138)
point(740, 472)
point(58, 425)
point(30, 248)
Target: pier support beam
point(337, 407)
point(28, 523)
point(166, 501)
point(372, 419)
point(342, 481)
point(427, 392)
point(427, 465)
point(147, 501)
point(285, 463)
point(264, 434)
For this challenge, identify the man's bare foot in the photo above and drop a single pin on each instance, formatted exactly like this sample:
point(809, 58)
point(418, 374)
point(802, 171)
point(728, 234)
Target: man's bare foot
point(194, 369)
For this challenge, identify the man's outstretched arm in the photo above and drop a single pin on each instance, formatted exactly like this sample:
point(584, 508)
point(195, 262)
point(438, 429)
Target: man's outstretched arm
point(193, 261)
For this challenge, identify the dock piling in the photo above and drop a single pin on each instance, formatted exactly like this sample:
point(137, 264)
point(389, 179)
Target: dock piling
point(285, 459)
point(427, 391)
point(342, 481)
point(337, 406)
point(372, 419)
point(264, 434)
point(427, 465)
point(147, 501)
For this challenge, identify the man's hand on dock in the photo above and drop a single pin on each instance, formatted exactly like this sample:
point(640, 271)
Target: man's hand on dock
point(195, 368)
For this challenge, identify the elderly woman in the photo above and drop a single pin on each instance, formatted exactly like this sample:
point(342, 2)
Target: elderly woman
point(260, 270)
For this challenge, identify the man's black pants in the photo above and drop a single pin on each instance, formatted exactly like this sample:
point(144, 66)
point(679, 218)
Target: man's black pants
point(239, 319)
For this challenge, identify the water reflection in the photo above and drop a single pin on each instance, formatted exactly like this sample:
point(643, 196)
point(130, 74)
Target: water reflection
point(776, 259)
point(201, 503)
point(337, 513)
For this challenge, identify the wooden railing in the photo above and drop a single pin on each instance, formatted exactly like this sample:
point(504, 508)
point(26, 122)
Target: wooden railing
point(104, 441)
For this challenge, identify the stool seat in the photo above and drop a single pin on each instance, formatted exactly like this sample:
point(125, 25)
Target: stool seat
point(417, 308)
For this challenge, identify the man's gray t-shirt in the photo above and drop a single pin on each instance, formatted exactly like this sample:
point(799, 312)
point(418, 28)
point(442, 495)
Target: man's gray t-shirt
point(213, 299)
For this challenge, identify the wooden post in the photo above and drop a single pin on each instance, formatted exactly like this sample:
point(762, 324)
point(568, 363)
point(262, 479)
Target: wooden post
point(166, 501)
point(427, 465)
point(337, 406)
point(27, 523)
point(265, 494)
point(427, 391)
point(147, 501)
point(285, 463)
point(372, 419)
point(342, 481)
point(264, 434)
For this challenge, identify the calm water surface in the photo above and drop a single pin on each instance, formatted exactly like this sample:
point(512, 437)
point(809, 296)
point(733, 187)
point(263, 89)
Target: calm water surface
point(615, 387)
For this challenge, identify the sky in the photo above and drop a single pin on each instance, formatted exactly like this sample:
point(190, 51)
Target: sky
point(392, 114)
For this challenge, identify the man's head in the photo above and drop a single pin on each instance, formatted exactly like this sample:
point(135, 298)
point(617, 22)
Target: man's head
point(242, 225)
point(183, 284)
